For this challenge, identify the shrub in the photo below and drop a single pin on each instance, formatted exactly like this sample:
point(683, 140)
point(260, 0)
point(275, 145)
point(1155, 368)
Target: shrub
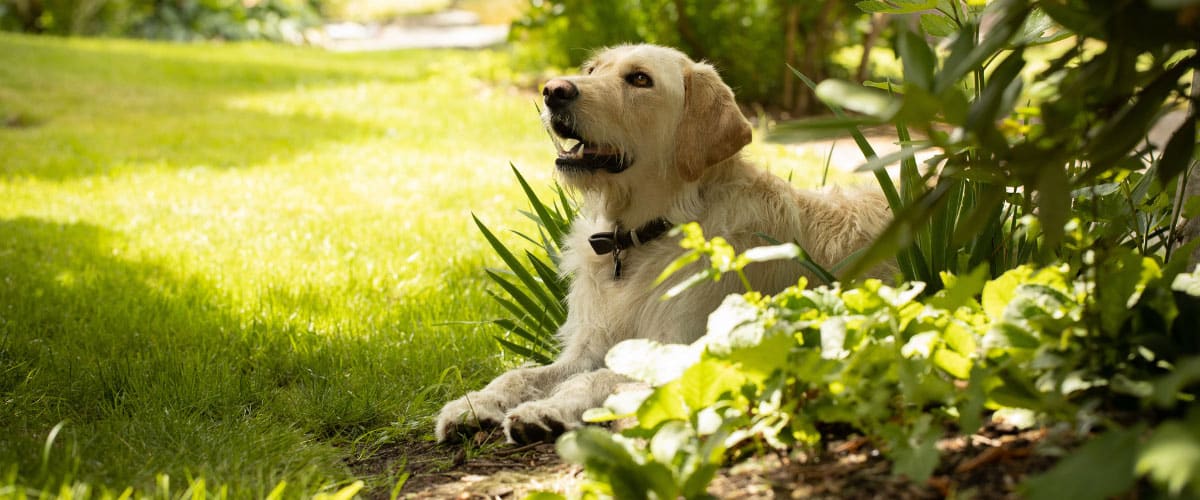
point(901, 369)
point(1015, 159)
point(180, 20)
point(1038, 251)
point(531, 289)
point(769, 34)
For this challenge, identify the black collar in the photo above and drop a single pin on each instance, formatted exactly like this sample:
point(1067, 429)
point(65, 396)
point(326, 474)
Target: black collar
point(617, 240)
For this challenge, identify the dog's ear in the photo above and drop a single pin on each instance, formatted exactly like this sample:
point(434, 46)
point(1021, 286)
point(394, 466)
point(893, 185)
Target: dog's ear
point(712, 128)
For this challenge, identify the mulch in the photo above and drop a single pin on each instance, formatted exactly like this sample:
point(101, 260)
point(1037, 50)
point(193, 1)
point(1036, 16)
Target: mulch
point(989, 464)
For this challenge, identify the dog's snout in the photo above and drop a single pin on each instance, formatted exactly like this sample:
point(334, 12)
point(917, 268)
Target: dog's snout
point(558, 93)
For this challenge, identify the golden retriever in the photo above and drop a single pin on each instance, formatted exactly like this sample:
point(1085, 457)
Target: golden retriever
point(654, 140)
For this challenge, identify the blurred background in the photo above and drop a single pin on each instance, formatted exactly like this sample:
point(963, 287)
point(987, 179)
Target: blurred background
point(749, 40)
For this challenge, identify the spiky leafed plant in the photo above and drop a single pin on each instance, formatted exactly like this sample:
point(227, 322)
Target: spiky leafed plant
point(530, 288)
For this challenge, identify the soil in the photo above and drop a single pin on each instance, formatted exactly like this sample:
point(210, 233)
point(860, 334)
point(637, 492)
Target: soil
point(988, 464)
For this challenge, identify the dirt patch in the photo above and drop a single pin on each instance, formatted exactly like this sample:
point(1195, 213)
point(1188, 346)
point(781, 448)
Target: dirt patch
point(485, 468)
point(989, 464)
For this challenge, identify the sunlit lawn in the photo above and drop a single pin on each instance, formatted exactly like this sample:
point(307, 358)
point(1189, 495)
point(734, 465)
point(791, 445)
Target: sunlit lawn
point(244, 262)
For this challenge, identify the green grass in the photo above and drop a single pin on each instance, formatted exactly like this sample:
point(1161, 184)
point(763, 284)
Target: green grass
point(242, 262)
point(231, 261)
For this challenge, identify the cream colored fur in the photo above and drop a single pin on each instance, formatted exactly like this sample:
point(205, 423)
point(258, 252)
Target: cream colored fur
point(683, 136)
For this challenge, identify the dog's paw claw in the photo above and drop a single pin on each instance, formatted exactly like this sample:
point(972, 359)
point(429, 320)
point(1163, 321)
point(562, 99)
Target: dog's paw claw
point(461, 418)
point(535, 432)
point(529, 424)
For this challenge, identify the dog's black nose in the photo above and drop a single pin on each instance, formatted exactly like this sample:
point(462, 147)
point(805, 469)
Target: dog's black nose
point(558, 93)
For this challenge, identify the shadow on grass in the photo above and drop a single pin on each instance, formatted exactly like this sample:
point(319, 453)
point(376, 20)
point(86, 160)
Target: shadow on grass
point(98, 106)
point(155, 373)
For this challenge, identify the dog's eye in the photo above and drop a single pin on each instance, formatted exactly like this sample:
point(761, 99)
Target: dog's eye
point(639, 79)
point(588, 70)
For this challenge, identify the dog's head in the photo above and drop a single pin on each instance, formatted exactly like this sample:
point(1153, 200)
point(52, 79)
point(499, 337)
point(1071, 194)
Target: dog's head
point(642, 113)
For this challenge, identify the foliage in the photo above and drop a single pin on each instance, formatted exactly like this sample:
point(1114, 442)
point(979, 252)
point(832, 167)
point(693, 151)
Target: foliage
point(278, 20)
point(769, 34)
point(1022, 147)
point(1038, 248)
point(900, 370)
point(534, 293)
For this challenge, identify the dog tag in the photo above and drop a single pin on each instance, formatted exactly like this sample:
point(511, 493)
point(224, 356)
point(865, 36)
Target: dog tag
point(616, 264)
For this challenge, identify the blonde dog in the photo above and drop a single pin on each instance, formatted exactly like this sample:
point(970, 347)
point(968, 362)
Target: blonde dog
point(654, 141)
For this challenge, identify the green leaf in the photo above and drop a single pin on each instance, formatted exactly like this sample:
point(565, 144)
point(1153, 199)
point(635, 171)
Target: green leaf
point(960, 290)
point(550, 279)
point(669, 439)
point(525, 352)
point(997, 98)
point(1102, 468)
point(530, 306)
point(735, 323)
point(919, 61)
point(999, 292)
point(858, 98)
point(959, 337)
point(544, 342)
point(818, 128)
point(966, 56)
point(885, 182)
point(896, 6)
point(953, 363)
point(1125, 274)
point(1171, 457)
point(1168, 388)
point(602, 456)
point(670, 360)
point(514, 265)
point(970, 408)
point(761, 361)
point(1188, 283)
point(705, 382)
point(547, 219)
point(937, 25)
point(663, 405)
point(1054, 203)
point(1179, 151)
point(915, 454)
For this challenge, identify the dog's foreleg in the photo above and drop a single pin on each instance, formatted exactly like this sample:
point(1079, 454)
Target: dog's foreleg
point(561, 411)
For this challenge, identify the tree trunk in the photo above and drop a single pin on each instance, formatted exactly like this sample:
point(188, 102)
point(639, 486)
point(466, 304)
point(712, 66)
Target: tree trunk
point(815, 57)
point(864, 65)
point(687, 33)
point(791, 30)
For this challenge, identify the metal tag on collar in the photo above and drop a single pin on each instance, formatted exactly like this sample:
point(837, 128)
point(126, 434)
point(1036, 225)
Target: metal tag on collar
point(616, 263)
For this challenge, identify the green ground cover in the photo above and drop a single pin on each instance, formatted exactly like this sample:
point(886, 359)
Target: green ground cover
point(243, 263)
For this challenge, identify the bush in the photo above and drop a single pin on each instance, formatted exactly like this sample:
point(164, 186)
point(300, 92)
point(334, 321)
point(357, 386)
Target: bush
point(900, 369)
point(1022, 150)
point(180, 20)
point(1042, 272)
point(750, 41)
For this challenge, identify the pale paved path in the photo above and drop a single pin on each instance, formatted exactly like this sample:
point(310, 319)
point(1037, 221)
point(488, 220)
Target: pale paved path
point(444, 30)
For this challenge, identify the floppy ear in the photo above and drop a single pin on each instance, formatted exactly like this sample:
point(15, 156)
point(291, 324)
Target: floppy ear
point(712, 128)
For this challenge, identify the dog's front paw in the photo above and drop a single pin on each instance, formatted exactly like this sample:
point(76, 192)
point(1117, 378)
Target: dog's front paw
point(537, 422)
point(475, 411)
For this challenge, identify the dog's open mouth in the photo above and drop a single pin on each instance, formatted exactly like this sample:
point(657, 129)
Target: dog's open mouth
point(577, 154)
